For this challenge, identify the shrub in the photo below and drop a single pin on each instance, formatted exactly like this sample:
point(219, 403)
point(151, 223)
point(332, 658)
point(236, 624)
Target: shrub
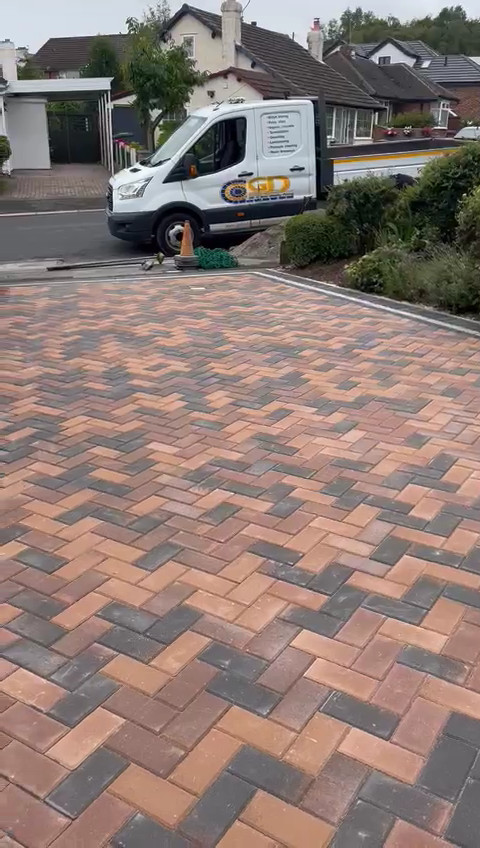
point(441, 187)
point(444, 277)
point(5, 149)
point(363, 205)
point(312, 237)
point(468, 229)
point(413, 119)
point(379, 272)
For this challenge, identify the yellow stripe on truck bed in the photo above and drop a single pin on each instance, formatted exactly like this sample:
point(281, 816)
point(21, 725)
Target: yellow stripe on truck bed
point(383, 156)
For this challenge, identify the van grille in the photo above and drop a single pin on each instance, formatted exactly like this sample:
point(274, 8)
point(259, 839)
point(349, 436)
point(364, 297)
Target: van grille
point(110, 198)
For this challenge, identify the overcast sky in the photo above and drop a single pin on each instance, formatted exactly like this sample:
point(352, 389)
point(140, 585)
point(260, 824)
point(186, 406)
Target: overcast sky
point(31, 22)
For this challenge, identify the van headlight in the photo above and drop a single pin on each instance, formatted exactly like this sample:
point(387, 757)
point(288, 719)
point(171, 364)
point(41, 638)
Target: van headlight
point(133, 189)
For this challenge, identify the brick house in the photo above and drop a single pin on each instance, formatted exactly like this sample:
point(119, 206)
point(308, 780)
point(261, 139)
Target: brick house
point(458, 73)
point(399, 87)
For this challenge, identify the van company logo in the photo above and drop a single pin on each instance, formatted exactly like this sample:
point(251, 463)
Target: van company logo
point(258, 190)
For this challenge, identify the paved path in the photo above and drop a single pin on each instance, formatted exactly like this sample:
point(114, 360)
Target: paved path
point(241, 600)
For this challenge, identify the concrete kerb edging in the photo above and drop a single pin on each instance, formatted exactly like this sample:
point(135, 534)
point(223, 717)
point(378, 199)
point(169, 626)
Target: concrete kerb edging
point(423, 314)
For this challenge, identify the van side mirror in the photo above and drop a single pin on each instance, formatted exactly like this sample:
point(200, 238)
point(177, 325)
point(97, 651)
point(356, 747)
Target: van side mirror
point(190, 165)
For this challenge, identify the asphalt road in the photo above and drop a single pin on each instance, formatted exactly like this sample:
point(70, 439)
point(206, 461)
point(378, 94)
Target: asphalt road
point(73, 236)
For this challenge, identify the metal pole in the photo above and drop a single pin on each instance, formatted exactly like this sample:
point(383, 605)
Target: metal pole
point(8, 163)
point(104, 130)
point(110, 131)
point(102, 145)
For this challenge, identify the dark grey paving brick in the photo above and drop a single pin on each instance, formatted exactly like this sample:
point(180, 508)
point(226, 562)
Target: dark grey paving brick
point(36, 629)
point(38, 559)
point(83, 785)
point(390, 550)
point(285, 508)
point(432, 663)
point(38, 604)
point(402, 520)
point(364, 826)
point(438, 555)
point(90, 695)
point(220, 513)
point(343, 603)
point(287, 573)
point(394, 609)
point(251, 696)
point(128, 642)
point(14, 531)
point(447, 768)
point(472, 561)
point(350, 500)
point(463, 727)
point(404, 801)
point(76, 671)
point(442, 462)
point(389, 504)
point(275, 552)
point(338, 487)
point(367, 717)
point(33, 657)
point(330, 580)
point(272, 775)
point(142, 832)
point(229, 659)
point(158, 556)
point(424, 592)
point(83, 511)
point(326, 625)
point(147, 523)
point(133, 619)
point(295, 471)
point(173, 624)
point(464, 826)
point(470, 597)
point(443, 524)
point(221, 804)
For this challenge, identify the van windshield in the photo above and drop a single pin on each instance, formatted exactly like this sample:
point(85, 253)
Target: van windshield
point(176, 141)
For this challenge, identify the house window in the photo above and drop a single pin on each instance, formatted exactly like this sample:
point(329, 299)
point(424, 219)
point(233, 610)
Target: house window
point(221, 147)
point(440, 112)
point(383, 118)
point(188, 44)
point(384, 60)
point(330, 121)
point(363, 124)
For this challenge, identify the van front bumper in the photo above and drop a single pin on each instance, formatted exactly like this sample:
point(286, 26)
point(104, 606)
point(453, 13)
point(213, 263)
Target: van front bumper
point(131, 226)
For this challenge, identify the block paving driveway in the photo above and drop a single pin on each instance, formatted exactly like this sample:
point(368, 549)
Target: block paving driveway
point(241, 586)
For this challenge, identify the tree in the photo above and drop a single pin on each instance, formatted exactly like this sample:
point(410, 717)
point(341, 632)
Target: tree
point(160, 73)
point(451, 31)
point(103, 62)
point(29, 70)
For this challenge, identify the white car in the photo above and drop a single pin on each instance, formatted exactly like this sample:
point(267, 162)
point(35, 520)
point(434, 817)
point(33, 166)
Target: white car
point(472, 133)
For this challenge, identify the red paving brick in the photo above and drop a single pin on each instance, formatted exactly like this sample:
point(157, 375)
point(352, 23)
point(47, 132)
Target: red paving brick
point(240, 604)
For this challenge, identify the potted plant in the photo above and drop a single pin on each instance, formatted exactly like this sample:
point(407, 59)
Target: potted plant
point(427, 132)
point(408, 131)
point(390, 132)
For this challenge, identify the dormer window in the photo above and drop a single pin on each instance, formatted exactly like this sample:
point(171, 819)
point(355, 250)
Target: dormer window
point(384, 60)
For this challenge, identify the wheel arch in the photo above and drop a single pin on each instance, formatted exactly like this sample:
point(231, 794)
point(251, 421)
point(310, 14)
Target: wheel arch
point(172, 208)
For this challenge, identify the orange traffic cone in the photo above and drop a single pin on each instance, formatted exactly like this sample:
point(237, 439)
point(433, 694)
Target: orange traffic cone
point(187, 257)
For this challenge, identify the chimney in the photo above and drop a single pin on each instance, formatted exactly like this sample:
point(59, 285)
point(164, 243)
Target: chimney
point(231, 31)
point(8, 60)
point(315, 40)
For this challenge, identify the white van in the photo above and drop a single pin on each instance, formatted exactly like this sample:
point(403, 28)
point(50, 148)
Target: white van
point(245, 166)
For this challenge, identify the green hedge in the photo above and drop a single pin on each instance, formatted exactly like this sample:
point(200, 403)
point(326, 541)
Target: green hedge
point(442, 186)
point(5, 149)
point(413, 119)
point(364, 205)
point(445, 277)
point(468, 229)
point(315, 237)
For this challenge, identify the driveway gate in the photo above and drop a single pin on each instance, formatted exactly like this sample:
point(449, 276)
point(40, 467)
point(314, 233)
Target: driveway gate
point(74, 137)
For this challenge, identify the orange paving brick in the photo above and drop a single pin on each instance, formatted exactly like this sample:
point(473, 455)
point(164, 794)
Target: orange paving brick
point(260, 732)
point(382, 755)
point(32, 690)
point(133, 673)
point(221, 607)
point(200, 768)
point(261, 613)
point(181, 652)
point(154, 796)
point(81, 611)
point(240, 835)
point(413, 635)
point(281, 821)
point(420, 727)
point(120, 591)
point(443, 616)
point(404, 835)
point(332, 675)
point(327, 649)
point(85, 738)
point(317, 741)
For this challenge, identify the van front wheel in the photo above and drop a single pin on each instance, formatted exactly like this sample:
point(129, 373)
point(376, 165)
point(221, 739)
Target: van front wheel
point(170, 232)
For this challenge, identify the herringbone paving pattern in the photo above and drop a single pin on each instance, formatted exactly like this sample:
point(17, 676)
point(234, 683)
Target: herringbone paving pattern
point(241, 593)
